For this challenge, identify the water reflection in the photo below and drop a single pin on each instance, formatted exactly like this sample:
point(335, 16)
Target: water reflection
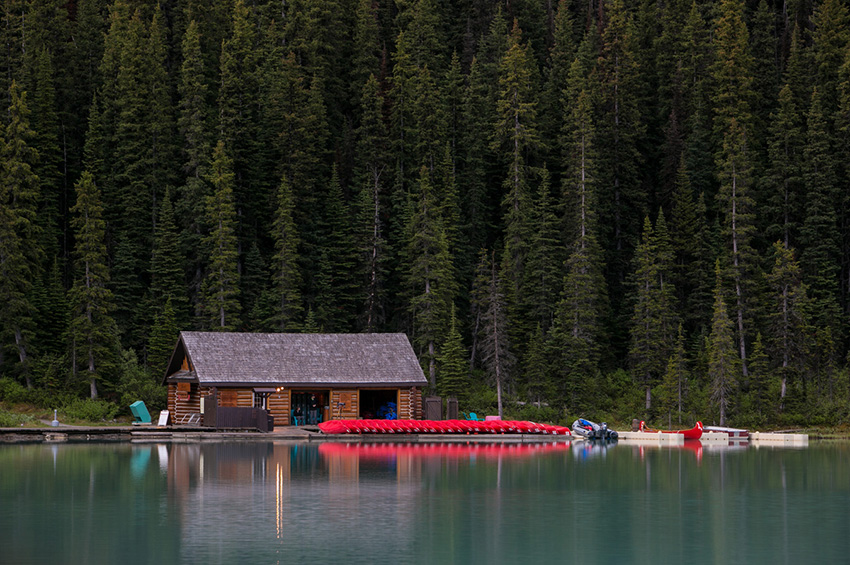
point(269, 502)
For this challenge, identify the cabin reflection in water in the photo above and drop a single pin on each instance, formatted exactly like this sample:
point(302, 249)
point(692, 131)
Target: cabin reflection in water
point(342, 467)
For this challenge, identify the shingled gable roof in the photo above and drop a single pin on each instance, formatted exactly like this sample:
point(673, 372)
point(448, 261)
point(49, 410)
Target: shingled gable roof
point(368, 359)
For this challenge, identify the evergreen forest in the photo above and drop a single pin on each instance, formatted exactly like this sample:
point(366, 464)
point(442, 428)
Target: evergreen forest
point(612, 209)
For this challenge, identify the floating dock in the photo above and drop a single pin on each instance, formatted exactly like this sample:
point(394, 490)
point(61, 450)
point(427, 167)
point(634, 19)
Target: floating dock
point(780, 439)
point(654, 438)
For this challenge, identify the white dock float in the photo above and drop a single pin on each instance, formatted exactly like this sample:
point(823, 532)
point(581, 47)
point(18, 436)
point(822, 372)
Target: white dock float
point(652, 438)
point(780, 439)
point(715, 438)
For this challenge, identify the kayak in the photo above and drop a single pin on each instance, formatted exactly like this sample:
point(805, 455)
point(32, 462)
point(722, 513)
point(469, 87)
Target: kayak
point(693, 433)
point(440, 427)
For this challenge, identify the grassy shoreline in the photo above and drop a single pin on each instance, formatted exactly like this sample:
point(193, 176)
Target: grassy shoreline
point(29, 416)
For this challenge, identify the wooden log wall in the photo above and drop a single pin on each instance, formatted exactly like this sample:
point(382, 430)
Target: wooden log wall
point(181, 410)
point(351, 408)
point(410, 404)
point(278, 405)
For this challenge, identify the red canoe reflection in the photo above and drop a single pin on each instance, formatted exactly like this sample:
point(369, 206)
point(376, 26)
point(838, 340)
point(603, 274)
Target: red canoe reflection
point(365, 451)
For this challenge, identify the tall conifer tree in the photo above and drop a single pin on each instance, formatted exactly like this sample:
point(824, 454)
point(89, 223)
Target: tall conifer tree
point(219, 306)
point(452, 379)
point(429, 283)
point(370, 205)
point(516, 138)
point(286, 274)
point(722, 360)
point(167, 275)
point(819, 232)
point(93, 331)
point(782, 185)
point(577, 335)
point(787, 319)
point(495, 344)
point(20, 245)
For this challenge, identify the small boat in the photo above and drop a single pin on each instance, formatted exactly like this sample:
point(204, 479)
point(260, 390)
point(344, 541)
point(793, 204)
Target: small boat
point(693, 433)
point(734, 433)
point(592, 430)
point(440, 427)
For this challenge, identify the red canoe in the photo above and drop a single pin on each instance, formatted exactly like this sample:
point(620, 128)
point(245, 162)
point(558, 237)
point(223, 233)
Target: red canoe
point(693, 433)
point(440, 427)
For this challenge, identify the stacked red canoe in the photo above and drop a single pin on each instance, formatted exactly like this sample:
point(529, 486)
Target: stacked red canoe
point(440, 427)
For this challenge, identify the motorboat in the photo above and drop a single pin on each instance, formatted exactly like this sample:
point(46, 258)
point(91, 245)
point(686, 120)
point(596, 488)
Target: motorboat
point(592, 430)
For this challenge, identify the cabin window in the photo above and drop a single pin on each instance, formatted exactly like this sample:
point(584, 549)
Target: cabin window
point(260, 400)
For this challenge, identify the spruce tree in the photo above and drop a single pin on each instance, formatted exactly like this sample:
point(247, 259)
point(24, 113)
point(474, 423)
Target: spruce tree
point(494, 344)
point(799, 68)
point(238, 102)
point(561, 56)
point(366, 59)
point(830, 40)
point(788, 325)
point(765, 77)
point(546, 255)
point(219, 308)
point(516, 137)
point(782, 186)
point(163, 336)
point(254, 282)
point(195, 117)
point(537, 373)
point(577, 334)
point(142, 164)
point(286, 275)
point(370, 204)
point(732, 76)
point(50, 165)
point(167, 276)
point(93, 331)
point(20, 244)
point(693, 257)
point(738, 226)
point(819, 231)
point(759, 390)
point(674, 382)
point(621, 198)
point(195, 127)
point(337, 296)
point(428, 280)
point(474, 157)
point(452, 369)
point(653, 317)
point(51, 328)
point(722, 360)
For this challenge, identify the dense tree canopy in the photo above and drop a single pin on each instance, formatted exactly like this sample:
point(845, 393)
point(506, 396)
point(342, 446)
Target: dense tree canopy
point(537, 193)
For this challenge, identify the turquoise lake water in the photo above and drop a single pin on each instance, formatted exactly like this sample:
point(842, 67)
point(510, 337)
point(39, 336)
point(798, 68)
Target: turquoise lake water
point(274, 502)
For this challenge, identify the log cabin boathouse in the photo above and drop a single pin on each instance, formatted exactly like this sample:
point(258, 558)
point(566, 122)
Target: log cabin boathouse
point(314, 377)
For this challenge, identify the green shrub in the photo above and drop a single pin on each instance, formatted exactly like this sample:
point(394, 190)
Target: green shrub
point(12, 420)
point(13, 392)
point(89, 410)
point(138, 384)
